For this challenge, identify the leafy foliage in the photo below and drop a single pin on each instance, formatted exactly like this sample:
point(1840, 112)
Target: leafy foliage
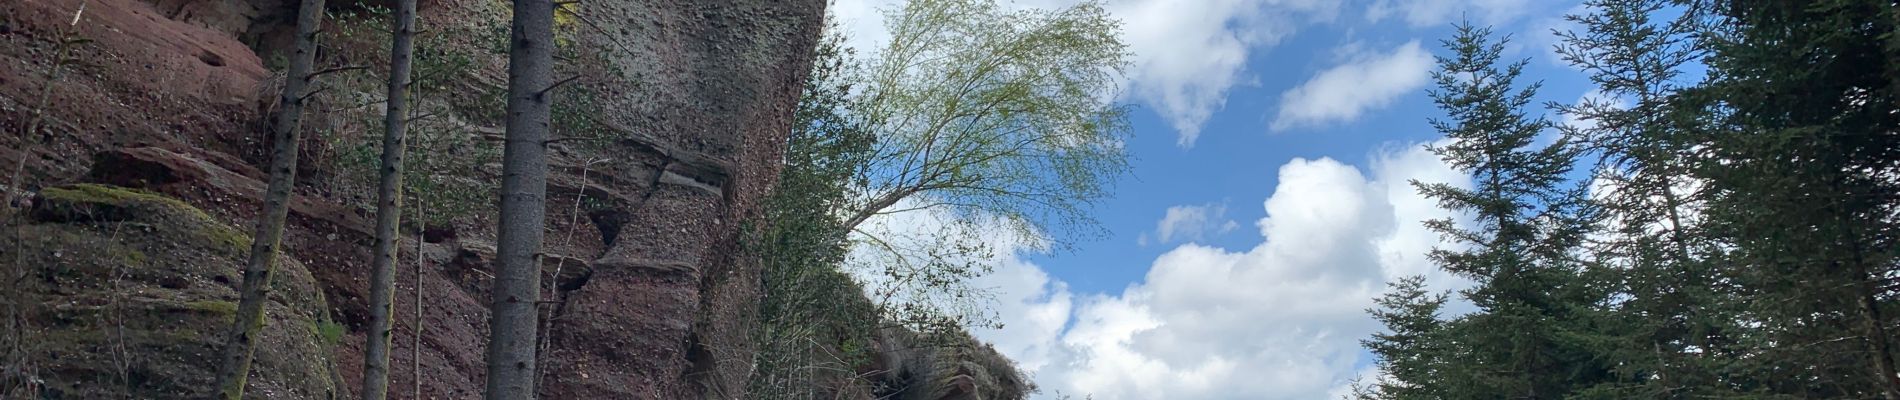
point(449, 155)
point(994, 124)
point(815, 324)
point(983, 110)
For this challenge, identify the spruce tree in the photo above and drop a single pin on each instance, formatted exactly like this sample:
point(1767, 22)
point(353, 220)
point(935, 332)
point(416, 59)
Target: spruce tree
point(1801, 160)
point(382, 283)
point(1527, 221)
point(240, 346)
point(1670, 330)
point(1411, 352)
point(513, 319)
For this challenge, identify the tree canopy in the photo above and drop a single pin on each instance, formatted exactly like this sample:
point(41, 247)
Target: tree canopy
point(1734, 234)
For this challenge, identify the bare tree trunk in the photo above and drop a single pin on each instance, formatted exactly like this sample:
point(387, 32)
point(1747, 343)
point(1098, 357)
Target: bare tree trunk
point(235, 362)
point(382, 284)
point(1877, 339)
point(511, 344)
point(415, 351)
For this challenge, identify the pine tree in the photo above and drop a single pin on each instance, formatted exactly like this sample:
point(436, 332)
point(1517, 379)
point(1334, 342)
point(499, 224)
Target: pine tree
point(241, 343)
point(376, 347)
point(1801, 158)
point(1527, 222)
point(1671, 327)
point(513, 319)
point(1411, 351)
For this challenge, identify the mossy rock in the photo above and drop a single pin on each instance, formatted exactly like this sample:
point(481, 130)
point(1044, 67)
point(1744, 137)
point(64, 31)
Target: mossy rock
point(103, 203)
point(948, 365)
point(129, 294)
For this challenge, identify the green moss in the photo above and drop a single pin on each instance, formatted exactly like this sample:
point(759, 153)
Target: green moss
point(135, 257)
point(329, 332)
point(168, 310)
point(88, 198)
point(114, 195)
point(227, 238)
point(220, 308)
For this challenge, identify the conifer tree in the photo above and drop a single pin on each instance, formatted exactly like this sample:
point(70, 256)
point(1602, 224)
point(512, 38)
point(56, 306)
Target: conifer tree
point(1412, 350)
point(513, 319)
point(234, 364)
point(1671, 330)
point(1801, 158)
point(382, 289)
point(1527, 220)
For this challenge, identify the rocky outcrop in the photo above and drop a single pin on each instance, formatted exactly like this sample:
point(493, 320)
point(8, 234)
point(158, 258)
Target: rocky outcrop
point(655, 295)
point(127, 294)
point(944, 366)
point(704, 96)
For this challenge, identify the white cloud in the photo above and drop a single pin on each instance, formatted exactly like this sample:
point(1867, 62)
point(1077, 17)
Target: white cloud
point(1187, 55)
point(1344, 92)
point(1033, 307)
point(1579, 122)
point(900, 259)
point(1591, 101)
point(1428, 13)
point(1611, 184)
point(1542, 34)
point(1278, 321)
point(863, 22)
point(1192, 223)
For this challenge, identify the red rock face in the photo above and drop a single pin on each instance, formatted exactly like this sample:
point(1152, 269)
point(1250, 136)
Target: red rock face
point(656, 294)
point(706, 96)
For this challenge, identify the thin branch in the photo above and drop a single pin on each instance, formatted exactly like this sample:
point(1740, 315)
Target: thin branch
point(557, 84)
point(335, 69)
point(313, 93)
point(577, 139)
point(420, 117)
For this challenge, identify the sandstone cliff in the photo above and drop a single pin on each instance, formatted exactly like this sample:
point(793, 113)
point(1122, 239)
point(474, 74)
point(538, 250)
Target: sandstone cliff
point(164, 96)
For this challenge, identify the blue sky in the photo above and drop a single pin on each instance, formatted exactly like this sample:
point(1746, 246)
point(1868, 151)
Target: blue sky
point(1273, 140)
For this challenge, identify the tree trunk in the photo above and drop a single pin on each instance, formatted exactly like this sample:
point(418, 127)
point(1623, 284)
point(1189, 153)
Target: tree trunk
point(382, 284)
point(871, 209)
point(1878, 341)
point(235, 362)
point(415, 355)
point(511, 350)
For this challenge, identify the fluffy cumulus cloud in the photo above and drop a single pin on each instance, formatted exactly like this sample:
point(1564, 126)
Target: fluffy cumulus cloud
point(1191, 223)
point(1428, 13)
point(1280, 320)
point(1344, 92)
point(1187, 55)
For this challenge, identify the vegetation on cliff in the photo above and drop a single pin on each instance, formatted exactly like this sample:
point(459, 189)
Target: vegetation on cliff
point(805, 229)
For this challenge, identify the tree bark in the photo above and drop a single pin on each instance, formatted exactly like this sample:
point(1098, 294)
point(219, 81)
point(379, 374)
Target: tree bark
point(1877, 339)
point(415, 355)
point(235, 361)
point(511, 345)
point(388, 207)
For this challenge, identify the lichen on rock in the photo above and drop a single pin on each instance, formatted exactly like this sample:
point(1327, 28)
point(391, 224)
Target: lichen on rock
point(128, 294)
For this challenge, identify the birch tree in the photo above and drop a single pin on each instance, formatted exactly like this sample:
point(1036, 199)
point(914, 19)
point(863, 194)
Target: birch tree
point(984, 110)
point(994, 118)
